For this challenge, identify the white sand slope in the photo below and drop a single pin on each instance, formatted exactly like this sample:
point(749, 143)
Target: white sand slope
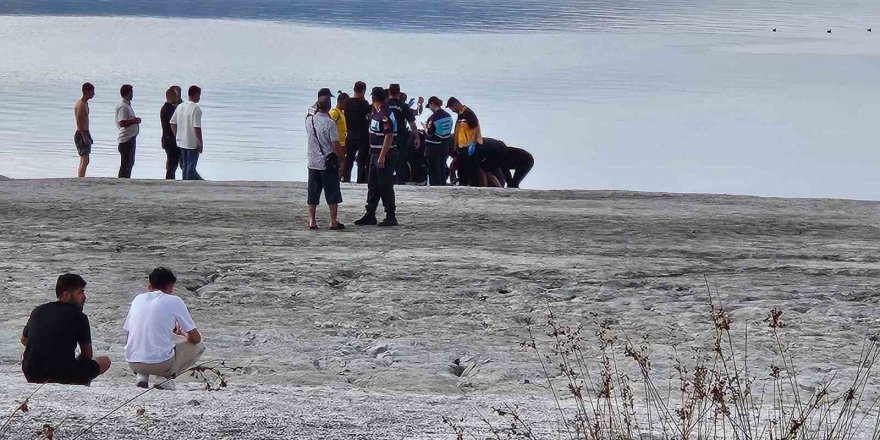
point(352, 334)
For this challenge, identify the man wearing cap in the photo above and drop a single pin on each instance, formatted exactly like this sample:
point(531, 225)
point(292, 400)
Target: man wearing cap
point(383, 157)
point(314, 108)
point(402, 112)
point(466, 140)
point(438, 131)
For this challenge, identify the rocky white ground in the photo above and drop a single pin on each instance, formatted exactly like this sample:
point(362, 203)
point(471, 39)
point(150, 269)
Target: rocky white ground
point(355, 334)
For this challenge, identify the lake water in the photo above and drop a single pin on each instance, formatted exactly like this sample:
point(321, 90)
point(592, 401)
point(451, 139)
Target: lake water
point(668, 95)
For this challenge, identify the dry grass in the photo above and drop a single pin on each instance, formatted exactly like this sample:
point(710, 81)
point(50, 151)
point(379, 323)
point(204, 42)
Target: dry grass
point(213, 378)
point(612, 392)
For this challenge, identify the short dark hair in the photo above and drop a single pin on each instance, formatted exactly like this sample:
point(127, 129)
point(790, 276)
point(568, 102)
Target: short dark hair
point(68, 282)
point(452, 101)
point(323, 103)
point(125, 90)
point(394, 89)
point(88, 87)
point(379, 94)
point(360, 87)
point(193, 91)
point(435, 101)
point(161, 278)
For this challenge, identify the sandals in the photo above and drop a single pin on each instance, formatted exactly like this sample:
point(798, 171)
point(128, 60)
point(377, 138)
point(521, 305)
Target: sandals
point(338, 227)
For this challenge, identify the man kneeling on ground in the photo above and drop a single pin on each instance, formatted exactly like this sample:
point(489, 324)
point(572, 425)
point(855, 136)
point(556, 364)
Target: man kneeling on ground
point(162, 337)
point(52, 334)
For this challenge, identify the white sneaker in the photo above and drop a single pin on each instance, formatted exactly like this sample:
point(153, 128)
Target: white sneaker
point(167, 385)
point(143, 381)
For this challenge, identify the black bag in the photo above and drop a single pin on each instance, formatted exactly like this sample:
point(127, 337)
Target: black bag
point(331, 160)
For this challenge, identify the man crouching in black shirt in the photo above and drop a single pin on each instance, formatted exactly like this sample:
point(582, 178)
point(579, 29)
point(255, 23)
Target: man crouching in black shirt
point(52, 334)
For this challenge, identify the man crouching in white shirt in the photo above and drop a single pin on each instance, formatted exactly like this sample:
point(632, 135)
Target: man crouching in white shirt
point(162, 337)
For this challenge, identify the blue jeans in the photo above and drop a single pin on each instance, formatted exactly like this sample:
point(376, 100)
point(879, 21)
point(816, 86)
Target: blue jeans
point(190, 160)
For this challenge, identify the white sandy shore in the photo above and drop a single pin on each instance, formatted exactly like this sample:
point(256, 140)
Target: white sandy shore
point(352, 334)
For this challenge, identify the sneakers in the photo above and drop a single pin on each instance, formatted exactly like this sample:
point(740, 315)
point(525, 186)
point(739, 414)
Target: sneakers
point(143, 381)
point(389, 221)
point(167, 385)
point(367, 220)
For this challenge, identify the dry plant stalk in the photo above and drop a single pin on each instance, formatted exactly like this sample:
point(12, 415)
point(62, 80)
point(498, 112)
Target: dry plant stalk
point(718, 397)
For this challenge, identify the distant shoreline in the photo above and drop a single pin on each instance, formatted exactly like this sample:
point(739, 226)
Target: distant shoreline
point(544, 193)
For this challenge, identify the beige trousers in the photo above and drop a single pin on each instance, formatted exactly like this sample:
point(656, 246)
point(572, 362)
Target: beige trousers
point(186, 355)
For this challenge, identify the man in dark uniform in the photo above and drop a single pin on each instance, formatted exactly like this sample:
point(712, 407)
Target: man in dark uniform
point(357, 141)
point(438, 132)
point(405, 117)
point(383, 158)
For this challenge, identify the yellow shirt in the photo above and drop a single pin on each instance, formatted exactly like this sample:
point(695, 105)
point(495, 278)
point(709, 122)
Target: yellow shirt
point(467, 129)
point(338, 116)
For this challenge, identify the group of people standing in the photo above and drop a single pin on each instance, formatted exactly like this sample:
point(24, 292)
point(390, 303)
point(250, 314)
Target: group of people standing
point(181, 131)
point(382, 139)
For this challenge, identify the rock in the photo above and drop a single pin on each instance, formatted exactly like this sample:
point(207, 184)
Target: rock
point(376, 349)
point(2, 178)
point(193, 402)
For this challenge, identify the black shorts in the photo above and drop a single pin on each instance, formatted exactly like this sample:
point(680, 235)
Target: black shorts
point(81, 372)
point(81, 148)
point(327, 181)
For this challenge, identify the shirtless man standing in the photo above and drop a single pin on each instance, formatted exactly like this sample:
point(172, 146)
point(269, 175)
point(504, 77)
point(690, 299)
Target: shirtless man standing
point(82, 138)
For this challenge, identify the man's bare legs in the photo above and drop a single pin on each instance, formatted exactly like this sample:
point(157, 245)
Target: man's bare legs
point(313, 223)
point(334, 220)
point(83, 164)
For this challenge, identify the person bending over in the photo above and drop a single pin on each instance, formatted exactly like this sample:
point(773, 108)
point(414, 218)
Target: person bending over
point(162, 340)
point(518, 160)
point(52, 334)
point(492, 154)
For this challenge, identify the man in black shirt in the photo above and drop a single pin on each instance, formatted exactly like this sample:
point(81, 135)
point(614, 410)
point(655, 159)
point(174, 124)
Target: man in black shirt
point(52, 334)
point(169, 141)
point(357, 119)
point(402, 112)
point(518, 160)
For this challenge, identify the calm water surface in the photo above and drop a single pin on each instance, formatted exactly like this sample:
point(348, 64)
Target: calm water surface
point(670, 95)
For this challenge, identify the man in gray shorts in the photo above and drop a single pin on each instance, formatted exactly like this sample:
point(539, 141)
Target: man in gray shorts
point(82, 138)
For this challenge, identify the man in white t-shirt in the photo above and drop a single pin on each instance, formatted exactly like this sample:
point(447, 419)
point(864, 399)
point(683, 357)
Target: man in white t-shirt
point(129, 127)
point(162, 338)
point(186, 123)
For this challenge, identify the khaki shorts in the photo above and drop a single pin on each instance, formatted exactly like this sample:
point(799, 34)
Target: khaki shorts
point(186, 355)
